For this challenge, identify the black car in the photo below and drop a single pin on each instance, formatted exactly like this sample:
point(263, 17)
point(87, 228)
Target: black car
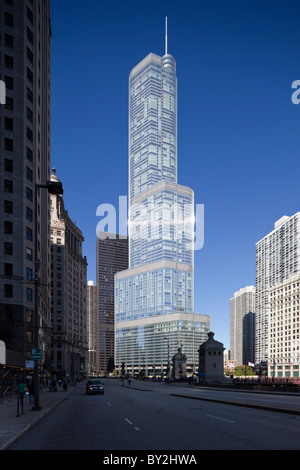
point(94, 386)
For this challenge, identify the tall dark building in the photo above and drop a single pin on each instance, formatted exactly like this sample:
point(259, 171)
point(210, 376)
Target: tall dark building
point(112, 257)
point(25, 34)
point(249, 338)
point(242, 325)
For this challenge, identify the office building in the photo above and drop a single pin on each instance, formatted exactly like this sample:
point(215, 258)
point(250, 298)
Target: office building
point(277, 261)
point(284, 326)
point(68, 294)
point(112, 257)
point(229, 364)
point(154, 298)
point(242, 326)
point(92, 318)
point(25, 161)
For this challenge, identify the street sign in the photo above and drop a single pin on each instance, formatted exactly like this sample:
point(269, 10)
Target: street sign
point(29, 364)
point(36, 353)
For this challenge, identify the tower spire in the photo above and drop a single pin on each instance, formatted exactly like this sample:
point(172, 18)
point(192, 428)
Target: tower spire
point(166, 39)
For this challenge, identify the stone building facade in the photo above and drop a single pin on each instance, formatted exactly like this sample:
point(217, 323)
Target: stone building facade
point(69, 297)
point(211, 361)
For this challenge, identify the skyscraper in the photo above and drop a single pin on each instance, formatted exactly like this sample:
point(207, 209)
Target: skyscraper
point(277, 261)
point(154, 298)
point(112, 257)
point(92, 318)
point(242, 327)
point(25, 161)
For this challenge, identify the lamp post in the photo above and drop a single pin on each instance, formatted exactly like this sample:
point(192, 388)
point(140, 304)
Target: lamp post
point(53, 187)
point(168, 364)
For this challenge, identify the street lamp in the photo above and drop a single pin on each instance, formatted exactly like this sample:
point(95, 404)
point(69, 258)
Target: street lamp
point(53, 187)
point(168, 365)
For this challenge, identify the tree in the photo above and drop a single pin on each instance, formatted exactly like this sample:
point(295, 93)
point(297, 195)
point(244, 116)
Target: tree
point(243, 370)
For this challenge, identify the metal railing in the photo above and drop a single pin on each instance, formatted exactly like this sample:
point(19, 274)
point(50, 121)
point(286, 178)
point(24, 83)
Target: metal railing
point(9, 378)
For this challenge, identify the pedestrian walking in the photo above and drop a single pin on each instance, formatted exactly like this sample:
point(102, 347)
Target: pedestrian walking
point(31, 393)
point(22, 388)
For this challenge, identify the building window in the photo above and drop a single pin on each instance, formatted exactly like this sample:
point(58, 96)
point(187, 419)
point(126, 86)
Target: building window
point(9, 61)
point(29, 95)
point(29, 154)
point(9, 103)
point(8, 249)
point(9, 145)
point(29, 315)
point(9, 82)
point(29, 194)
point(29, 15)
point(8, 207)
point(8, 228)
point(29, 296)
point(29, 55)
point(8, 290)
point(29, 115)
point(8, 165)
point(29, 234)
point(29, 214)
point(29, 254)
point(29, 174)
point(29, 75)
point(29, 134)
point(8, 269)
point(9, 124)
point(8, 186)
point(30, 35)
point(29, 274)
point(9, 41)
point(8, 19)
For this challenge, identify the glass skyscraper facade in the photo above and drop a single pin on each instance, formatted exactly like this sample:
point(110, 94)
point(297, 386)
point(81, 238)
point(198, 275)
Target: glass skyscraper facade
point(154, 298)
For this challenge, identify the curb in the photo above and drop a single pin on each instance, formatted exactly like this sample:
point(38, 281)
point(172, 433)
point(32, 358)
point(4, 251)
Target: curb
point(136, 388)
point(245, 405)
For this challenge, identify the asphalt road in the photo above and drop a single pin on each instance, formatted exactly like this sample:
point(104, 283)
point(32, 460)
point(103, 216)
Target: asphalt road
point(154, 420)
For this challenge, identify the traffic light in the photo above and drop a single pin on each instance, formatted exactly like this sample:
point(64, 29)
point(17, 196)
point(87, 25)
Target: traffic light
point(123, 368)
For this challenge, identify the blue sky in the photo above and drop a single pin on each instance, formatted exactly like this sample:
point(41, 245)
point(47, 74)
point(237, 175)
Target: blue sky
point(238, 130)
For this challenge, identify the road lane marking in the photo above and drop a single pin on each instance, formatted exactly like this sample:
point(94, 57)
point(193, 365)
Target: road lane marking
point(109, 404)
point(223, 419)
point(131, 424)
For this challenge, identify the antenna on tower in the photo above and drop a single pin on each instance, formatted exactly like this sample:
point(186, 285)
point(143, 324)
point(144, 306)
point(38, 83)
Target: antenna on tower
point(166, 41)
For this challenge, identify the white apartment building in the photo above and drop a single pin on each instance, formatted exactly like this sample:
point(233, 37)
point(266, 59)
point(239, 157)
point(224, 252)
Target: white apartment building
point(277, 261)
point(242, 315)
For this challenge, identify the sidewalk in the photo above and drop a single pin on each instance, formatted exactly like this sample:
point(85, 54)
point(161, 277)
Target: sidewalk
point(13, 426)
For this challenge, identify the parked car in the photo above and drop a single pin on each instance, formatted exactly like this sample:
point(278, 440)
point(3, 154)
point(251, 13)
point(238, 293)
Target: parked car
point(94, 386)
